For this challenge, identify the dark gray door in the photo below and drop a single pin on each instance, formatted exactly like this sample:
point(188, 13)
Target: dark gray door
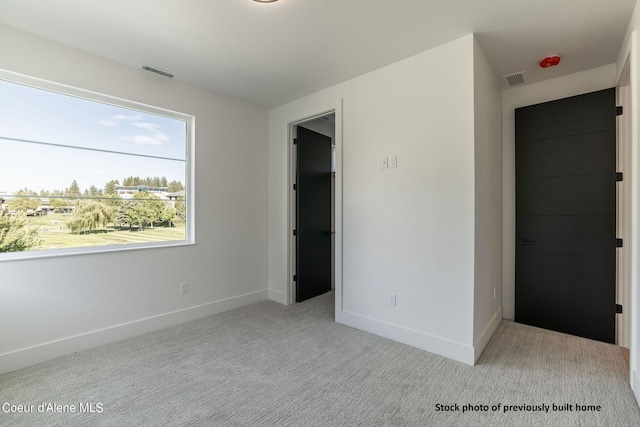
point(313, 214)
point(566, 215)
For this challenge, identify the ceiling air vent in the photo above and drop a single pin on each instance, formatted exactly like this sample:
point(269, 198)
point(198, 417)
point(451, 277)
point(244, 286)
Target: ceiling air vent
point(157, 71)
point(516, 79)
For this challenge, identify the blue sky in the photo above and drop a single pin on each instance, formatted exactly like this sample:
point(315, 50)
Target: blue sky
point(34, 114)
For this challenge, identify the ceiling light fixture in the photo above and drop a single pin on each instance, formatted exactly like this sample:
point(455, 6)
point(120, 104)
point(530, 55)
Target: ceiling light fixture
point(265, 1)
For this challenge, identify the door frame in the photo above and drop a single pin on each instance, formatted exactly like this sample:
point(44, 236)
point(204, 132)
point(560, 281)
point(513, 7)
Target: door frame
point(336, 109)
point(627, 77)
point(623, 208)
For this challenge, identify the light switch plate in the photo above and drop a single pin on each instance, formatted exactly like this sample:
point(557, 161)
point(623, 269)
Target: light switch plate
point(384, 162)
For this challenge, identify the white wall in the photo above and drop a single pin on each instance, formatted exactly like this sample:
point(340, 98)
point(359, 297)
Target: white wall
point(55, 306)
point(488, 202)
point(558, 88)
point(408, 230)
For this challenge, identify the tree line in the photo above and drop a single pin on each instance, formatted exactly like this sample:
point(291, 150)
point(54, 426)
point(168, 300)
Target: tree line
point(60, 198)
point(92, 210)
point(109, 188)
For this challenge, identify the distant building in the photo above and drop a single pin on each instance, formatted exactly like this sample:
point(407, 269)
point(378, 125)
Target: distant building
point(45, 204)
point(173, 197)
point(127, 191)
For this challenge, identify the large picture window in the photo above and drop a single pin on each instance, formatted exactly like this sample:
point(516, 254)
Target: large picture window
point(83, 172)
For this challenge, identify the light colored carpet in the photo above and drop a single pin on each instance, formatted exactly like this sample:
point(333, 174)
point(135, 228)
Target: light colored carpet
point(270, 365)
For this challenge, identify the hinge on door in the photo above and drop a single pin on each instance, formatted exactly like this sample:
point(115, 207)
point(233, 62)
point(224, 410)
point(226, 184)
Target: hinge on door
point(619, 243)
point(295, 277)
point(295, 232)
point(618, 308)
point(618, 111)
point(295, 187)
point(295, 141)
point(619, 176)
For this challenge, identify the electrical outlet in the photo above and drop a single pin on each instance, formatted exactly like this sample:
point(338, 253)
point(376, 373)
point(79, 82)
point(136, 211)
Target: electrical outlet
point(184, 288)
point(392, 300)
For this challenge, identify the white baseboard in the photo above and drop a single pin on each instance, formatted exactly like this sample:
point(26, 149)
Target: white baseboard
point(433, 344)
point(487, 333)
point(39, 353)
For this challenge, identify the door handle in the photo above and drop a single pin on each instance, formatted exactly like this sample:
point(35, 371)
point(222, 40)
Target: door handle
point(526, 242)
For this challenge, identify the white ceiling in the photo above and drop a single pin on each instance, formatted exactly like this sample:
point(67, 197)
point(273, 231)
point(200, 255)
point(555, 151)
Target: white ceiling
point(270, 53)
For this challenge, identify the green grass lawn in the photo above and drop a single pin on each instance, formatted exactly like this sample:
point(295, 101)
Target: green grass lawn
point(55, 234)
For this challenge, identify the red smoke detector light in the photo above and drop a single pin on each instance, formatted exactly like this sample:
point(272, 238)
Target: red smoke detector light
point(550, 61)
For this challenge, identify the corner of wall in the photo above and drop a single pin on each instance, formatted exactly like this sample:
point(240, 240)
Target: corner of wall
point(422, 239)
point(278, 296)
point(485, 335)
point(488, 198)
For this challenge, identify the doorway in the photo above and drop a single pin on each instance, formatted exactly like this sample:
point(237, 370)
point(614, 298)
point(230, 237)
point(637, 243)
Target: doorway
point(313, 233)
point(566, 215)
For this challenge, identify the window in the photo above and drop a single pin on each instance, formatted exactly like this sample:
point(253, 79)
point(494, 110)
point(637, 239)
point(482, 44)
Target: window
point(83, 172)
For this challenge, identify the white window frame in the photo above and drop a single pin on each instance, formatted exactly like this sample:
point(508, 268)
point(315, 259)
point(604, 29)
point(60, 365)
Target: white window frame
point(63, 89)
